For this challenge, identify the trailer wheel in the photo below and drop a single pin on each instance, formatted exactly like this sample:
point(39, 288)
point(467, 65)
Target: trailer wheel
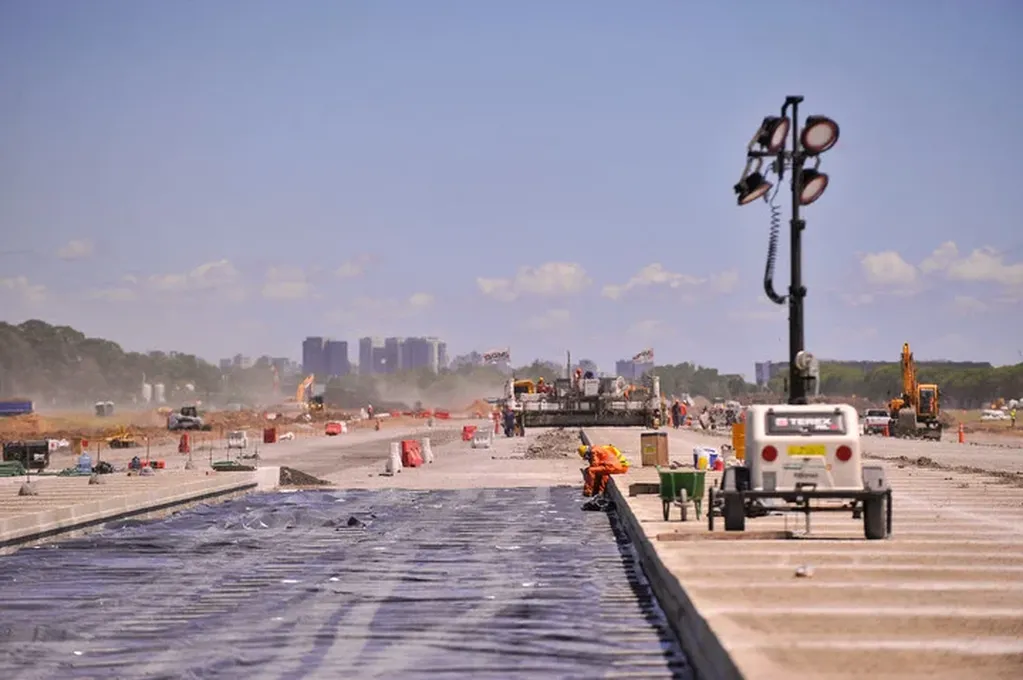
point(683, 501)
point(874, 525)
point(735, 513)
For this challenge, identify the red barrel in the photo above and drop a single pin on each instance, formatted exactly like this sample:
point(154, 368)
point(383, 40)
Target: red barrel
point(185, 443)
point(269, 435)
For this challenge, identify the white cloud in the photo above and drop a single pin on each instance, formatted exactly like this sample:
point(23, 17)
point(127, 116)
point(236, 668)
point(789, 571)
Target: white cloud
point(76, 249)
point(286, 283)
point(369, 314)
point(888, 269)
point(421, 300)
point(656, 275)
point(23, 290)
point(208, 276)
point(549, 279)
point(354, 267)
point(647, 330)
point(550, 320)
point(116, 294)
point(941, 258)
point(986, 265)
point(966, 305)
point(762, 310)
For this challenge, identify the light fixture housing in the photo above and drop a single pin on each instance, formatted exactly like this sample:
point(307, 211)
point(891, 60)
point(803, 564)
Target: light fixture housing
point(812, 186)
point(819, 134)
point(773, 132)
point(751, 187)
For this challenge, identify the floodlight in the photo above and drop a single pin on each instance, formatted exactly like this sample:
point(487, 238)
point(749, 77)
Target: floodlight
point(773, 132)
point(819, 134)
point(751, 187)
point(813, 185)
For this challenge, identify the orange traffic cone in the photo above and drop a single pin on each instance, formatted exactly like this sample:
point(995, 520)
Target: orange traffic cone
point(962, 434)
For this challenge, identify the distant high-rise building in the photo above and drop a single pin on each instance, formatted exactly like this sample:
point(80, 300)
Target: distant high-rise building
point(370, 355)
point(335, 358)
point(442, 355)
point(420, 353)
point(765, 371)
point(226, 364)
point(632, 370)
point(392, 354)
point(313, 357)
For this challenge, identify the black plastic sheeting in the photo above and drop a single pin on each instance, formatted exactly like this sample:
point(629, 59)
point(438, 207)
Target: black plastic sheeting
point(397, 584)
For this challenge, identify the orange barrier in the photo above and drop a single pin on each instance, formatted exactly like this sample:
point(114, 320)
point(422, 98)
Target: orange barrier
point(442, 415)
point(467, 432)
point(185, 443)
point(411, 453)
point(157, 464)
point(334, 428)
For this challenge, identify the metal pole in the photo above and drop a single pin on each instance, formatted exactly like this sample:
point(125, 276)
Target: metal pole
point(797, 291)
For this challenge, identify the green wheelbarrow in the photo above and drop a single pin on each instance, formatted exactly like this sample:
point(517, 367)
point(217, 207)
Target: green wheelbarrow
point(681, 487)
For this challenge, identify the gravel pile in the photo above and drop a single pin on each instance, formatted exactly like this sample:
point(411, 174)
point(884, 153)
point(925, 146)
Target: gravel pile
point(554, 444)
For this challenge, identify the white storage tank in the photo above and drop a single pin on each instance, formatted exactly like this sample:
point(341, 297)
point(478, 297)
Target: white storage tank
point(147, 392)
point(159, 393)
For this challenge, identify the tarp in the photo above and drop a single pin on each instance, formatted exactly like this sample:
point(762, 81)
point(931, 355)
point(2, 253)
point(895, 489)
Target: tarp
point(404, 584)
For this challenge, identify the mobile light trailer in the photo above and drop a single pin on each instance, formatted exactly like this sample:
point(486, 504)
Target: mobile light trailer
point(796, 457)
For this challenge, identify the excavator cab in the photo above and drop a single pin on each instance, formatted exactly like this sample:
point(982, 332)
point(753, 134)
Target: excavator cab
point(928, 400)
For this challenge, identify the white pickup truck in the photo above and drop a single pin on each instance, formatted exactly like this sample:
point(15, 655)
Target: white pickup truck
point(875, 421)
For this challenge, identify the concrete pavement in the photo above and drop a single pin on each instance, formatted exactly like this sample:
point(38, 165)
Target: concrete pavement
point(943, 598)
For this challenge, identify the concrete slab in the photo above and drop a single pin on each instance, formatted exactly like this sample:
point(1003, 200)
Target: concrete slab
point(69, 505)
point(941, 599)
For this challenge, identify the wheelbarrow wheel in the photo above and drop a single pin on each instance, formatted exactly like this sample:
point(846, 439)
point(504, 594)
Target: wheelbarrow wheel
point(683, 501)
point(666, 507)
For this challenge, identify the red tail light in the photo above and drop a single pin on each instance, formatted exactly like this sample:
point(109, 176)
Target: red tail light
point(843, 454)
point(769, 454)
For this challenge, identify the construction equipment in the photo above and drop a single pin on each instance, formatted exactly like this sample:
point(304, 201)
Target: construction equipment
point(33, 454)
point(187, 418)
point(123, 438)
point(915, 413)
point(585, 401)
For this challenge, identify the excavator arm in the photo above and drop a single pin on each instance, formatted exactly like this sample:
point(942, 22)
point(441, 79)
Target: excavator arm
point(909, 384)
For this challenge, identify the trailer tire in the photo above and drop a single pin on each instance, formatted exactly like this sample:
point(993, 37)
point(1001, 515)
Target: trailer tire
point(875, 525)
point(734, 511)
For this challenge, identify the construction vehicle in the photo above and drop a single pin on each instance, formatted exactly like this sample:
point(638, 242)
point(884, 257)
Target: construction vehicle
point(123, 438)
point(305, 398)
point(187, 418)
point(583, 400)
point(33, 454)
point(914, 413)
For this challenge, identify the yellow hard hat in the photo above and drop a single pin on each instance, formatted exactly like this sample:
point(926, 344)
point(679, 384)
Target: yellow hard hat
point(583, 449)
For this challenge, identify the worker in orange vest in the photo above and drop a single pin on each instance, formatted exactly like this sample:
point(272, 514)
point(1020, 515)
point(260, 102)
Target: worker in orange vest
point(602, 462)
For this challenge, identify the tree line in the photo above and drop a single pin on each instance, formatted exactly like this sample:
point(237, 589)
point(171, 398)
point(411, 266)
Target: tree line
point(58, 365)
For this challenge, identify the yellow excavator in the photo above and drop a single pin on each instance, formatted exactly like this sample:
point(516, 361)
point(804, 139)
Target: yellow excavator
point(303, 395)
point(915, 413)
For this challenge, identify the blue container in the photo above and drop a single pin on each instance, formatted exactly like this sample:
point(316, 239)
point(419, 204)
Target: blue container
point(15, 407)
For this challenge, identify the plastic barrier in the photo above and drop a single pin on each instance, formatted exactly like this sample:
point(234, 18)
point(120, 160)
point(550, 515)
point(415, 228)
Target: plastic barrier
point(335, 428)
point(157, 464)
point(270, 435)
point(411, 453)
point(467, 432)
point(442, 415)
point(394, 466)
point(185, 443)
point(427, 451)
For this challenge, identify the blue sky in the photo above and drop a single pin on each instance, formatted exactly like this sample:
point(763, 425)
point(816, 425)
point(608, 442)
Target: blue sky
point(222, 177)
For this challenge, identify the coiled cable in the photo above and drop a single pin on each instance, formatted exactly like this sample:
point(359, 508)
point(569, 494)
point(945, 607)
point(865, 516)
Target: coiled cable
point(772, 249)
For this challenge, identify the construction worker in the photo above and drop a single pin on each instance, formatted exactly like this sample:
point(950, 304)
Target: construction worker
point(602, 462)
point(1012, 416)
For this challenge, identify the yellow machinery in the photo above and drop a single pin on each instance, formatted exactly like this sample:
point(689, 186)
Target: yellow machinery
point(915, 413)
point(123, 438)
point(304, 397)
point(524, 387)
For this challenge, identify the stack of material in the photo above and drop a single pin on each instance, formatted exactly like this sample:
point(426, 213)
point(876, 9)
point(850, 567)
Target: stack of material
point(554, 444)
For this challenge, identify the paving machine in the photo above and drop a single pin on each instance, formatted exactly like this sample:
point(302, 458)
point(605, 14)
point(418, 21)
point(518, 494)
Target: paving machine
point(915, 413)
point(583, 400)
